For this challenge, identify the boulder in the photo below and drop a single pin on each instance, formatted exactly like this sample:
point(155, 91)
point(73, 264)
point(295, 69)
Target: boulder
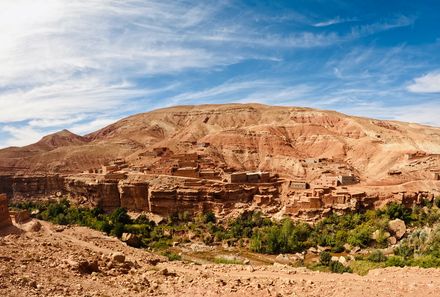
point(324, 248)
point(347, 247)
point(397, 227)
point(312, 250)
point(392, 240)
point(131, 239)
point(283, 259)
point(298, 257)
point(355, 250)
point(118, 257)
point(32, 226)
point(87, 267)
point(343, 261)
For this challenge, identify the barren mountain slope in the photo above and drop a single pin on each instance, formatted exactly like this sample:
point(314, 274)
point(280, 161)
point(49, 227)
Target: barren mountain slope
point(249, 136)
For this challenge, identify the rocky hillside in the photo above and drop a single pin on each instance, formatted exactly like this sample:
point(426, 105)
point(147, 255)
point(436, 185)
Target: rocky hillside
point(245, 137)
point(41, 259)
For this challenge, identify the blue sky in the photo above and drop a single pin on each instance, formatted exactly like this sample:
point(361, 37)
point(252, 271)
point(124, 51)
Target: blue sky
point(81, 65)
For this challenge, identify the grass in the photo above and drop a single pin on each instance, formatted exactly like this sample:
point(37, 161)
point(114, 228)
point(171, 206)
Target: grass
point(221, 260)
point(172, 256)
point(318, 267)
point(362, 267)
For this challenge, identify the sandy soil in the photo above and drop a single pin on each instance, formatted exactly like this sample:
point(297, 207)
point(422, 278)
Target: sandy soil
point(77, 261)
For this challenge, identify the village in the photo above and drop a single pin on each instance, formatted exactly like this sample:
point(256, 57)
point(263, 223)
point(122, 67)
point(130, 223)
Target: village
point(196, 183)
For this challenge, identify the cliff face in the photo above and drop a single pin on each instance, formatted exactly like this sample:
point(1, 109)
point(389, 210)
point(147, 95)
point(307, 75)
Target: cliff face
point(5, 219)
point(137, 195)
point(220, 199)
point(134, 195)
point(6, 185)
point(38, 186)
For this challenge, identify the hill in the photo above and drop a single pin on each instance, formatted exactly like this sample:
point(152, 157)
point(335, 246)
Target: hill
point(246, 137)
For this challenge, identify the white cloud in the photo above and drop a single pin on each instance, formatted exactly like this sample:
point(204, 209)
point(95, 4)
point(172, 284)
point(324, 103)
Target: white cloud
point(334, 21)
point(81, 64)
point(56, 122)
point(20, 136)
point(423, 112)
point(428, 83)
point(92, 126)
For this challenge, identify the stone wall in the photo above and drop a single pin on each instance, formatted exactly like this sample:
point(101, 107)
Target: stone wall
point(5, 218)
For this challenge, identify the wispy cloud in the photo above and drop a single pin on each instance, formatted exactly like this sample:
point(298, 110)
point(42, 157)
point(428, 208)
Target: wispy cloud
point(20, 136)
point(369, 29)
point(334, 21)
point(428, 83)
point(82, 64)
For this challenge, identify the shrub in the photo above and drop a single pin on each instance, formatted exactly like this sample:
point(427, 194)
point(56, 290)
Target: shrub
point(428, 261)
point(404, 250)
point(398, 211)
point(172, 256)
point(209, 217)
point(433, 245)
point(437, 202)
point(360, 236)
point(377, 256)
point(395, 261)
point(337, 267)
point(325, 258)
point(117, 230)
point(120, 215)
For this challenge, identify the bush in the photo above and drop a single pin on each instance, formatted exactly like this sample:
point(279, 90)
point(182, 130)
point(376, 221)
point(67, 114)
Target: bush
point(428, 261)
point(120, 215)
point(377, 256)
point(398, 211)
point(209, 217)
point(325, 258)
point(395, 261)
point(360, 236)
point(117, 230)
point(172, 256)
point(437, 202)
point(404, 250)
point(337, 267)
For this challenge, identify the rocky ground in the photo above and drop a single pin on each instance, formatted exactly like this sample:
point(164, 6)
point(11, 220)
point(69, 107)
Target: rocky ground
point(41, 259)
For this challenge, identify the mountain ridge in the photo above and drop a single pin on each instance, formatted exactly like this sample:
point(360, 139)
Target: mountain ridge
point(244, 137)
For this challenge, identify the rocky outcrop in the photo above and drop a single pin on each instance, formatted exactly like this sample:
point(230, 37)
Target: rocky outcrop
point(134, 195)
point(193, 200)
point(98, 193)
point(5, 219)
point(37, 186)
point(6, 185)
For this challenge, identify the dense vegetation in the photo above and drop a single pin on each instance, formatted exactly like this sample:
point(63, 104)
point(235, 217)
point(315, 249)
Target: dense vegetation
point(420, 248)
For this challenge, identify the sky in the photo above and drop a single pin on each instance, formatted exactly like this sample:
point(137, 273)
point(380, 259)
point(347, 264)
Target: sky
point(83, 64)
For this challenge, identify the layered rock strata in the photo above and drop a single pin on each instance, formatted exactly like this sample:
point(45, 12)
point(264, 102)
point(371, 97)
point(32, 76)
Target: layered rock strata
point(5, 218)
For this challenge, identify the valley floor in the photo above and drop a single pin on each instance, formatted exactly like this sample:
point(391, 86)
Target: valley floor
point(41, 259)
